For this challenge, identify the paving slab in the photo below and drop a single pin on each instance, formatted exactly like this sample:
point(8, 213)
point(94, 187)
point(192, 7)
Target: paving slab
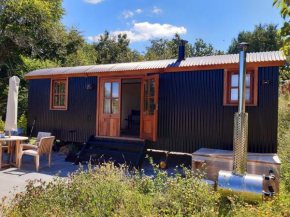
point(13, 180)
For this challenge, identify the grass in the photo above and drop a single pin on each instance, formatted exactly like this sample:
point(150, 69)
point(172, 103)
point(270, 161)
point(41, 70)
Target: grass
point(106, 190)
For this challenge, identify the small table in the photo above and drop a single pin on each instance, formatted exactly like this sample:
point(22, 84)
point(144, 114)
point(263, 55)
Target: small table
point(10, 140)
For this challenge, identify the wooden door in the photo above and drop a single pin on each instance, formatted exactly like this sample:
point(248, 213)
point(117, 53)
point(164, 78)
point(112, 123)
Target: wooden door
point(109, 107)
point(149, 107)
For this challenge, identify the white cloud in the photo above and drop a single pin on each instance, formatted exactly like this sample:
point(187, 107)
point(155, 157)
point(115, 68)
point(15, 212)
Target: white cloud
point(145, 31)
point(138, 11)
point(156, 10)
point(126, 14)
point(93, 1)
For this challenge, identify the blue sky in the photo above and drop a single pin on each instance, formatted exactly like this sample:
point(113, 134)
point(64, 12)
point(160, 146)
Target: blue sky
point(215, 21)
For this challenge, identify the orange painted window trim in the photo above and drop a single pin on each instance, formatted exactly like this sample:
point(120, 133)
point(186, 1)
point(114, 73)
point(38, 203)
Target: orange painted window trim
point(253, 101)
point(53, 94)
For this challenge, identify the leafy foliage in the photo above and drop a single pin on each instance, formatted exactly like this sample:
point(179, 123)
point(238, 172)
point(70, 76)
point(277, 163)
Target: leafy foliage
point(33, 37)
point(168, 49)
point(263, 38)
point(22, 123)
point(284, 139)
point(111, 49)
point(285, 30)
point(107, 190)
point(2, 125)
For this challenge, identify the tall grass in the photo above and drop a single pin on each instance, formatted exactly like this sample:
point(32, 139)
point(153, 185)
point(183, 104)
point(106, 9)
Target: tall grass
point(284, 139)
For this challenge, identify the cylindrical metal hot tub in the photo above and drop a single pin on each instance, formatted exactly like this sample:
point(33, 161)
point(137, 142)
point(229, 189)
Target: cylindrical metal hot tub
point(250, 187)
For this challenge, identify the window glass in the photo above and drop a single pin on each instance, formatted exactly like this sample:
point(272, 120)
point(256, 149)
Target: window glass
point(234, 94)
point(248, 80)
point(235, 80)
point(107, 105)
point(107, 89)
point(248, 91)
point(151, 87)
point(145, 88)
point(115, 106)
point(62, 100)
point(115, 89)
point(145, 106)
point(56, 101)
point(151, 106)
point(62, 87)
point(56, 87)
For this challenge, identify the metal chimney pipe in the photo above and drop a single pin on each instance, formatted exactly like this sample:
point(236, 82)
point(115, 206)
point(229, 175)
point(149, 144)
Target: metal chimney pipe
point(242, 77)
point(241, 120)
point(181, 52)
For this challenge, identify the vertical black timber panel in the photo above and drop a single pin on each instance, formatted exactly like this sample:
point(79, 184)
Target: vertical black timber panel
point(80, 115)
point(191, 114)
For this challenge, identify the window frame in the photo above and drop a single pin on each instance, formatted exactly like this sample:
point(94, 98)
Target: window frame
point(111, 98)
point(253, 87)
point(52, 93)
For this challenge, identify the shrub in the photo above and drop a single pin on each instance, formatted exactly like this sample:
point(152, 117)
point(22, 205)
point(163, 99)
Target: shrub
point(22, 123)
point(2, 124)
point(107, 190)
point(284, 140)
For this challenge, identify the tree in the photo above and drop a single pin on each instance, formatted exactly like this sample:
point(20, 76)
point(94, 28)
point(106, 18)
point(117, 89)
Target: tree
point(158, 50)
point(27, 66)
point(27, 28)
point(263, 38)
point(284, 6)
point(33, 37)
point(115, 49)
point(168, 49)
point(200, 48)
point(284, 32)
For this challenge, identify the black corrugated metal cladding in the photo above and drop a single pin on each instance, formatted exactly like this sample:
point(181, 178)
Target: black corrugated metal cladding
point(80, 115)
point(191, 114)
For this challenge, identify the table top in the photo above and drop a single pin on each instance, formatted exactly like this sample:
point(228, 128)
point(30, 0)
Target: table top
point(14, 138)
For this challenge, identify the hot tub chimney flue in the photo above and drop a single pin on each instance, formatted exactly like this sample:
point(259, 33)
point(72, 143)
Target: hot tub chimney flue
point(241, 119)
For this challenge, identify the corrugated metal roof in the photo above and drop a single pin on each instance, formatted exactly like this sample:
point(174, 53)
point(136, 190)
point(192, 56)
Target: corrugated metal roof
point(162, 64)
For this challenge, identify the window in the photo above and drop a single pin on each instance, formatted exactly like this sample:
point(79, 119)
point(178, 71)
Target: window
point(231, 88)
point(111, 98)
point(148, 97)
point(59, 89)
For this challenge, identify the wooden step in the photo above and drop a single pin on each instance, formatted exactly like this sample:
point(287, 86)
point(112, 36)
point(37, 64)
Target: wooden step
point(122, 146)
point(117, 150)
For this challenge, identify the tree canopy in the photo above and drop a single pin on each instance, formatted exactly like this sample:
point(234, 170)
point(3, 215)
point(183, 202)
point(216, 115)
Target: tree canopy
point(166, 49)
point(263, 38)
point(115, 49)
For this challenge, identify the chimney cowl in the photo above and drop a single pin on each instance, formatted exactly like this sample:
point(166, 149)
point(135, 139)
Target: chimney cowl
point(181, 53)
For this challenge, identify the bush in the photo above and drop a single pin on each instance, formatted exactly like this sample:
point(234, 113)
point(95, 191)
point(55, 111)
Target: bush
point(107, 190)
point(2, 125)
point(22, 123)
point(284, 140)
